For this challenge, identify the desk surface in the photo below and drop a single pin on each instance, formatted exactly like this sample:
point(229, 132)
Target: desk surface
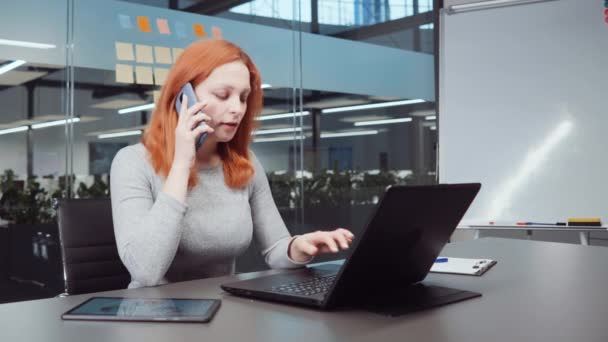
point(537, 291)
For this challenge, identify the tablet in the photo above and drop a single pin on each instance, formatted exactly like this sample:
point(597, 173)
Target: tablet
point(145, 309)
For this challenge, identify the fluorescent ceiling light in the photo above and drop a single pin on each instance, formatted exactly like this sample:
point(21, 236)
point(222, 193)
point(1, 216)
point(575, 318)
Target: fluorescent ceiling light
point(382, 122)
point(119, 134)
point(118, 103)
point(433, 128)
point(21, 43)
point(13, 130)
point(10, 66)
point(347, 134)
point(488, 4)
point(265, 85)
point(279, 139)
point(282, 116)
point(278, 130)
point(431, 117)
point(423, 112)
point(371, 105)
point(54, 123)
point(136, 108)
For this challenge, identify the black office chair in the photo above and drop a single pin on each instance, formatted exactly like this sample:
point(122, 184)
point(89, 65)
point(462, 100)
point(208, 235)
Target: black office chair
point(88, 247)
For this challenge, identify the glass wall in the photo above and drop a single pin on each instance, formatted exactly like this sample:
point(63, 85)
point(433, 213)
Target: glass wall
point(33, 141)
point(348, 105)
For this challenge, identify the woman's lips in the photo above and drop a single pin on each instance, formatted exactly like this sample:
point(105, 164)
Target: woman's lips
point(230, 124)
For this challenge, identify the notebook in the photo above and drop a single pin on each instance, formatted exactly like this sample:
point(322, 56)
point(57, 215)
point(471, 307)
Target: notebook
point(467, 266)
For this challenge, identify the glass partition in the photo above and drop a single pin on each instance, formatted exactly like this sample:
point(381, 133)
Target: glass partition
point(349, 105)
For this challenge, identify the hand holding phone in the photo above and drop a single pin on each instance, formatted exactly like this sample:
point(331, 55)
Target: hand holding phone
point(188, 90)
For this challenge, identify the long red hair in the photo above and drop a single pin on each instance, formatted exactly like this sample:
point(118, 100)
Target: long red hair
point(194, 65)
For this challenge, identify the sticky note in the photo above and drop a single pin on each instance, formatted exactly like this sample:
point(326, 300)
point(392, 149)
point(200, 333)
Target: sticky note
point(125, 21)
point(163, 26)
point(176, 53)
point(180, 30)
point(124, 73)
point(156, 95)
point(162, 55)
point(143, 75)
point(143, 54)
point(144, 24)
point(216, 32)
point(124, 51)
point(160, 75)
point(199, 30)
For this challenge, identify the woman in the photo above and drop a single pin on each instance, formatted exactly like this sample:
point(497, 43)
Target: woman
point(181, 213)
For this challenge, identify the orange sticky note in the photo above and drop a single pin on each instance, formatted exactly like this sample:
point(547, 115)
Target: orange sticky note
point(216, 32)
point(199, 30)
point(144, 24)
point(163, 26)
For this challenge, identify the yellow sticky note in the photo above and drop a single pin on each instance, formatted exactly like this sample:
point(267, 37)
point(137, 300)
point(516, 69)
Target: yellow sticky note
point(124, 51)
point(156, 95)
point(143, 75)
point(160, 75)
point(162, 55)
point(143, 54)
point(176, 53)
point(124, 73)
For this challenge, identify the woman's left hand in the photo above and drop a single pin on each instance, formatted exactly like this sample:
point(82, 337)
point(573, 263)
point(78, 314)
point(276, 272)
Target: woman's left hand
point(306, 246)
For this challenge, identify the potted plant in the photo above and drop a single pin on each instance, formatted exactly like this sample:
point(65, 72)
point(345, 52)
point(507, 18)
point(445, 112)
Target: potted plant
point(32, 234)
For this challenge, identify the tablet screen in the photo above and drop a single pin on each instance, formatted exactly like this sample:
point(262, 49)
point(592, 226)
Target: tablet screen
point(171, 309)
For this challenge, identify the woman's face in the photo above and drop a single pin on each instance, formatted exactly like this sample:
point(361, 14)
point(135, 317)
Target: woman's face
point(225, 91)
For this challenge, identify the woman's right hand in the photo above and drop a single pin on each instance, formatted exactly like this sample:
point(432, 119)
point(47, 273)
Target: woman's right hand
point(187, 131)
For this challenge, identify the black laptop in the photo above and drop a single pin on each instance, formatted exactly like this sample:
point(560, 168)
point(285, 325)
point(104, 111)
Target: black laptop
point(388, 260)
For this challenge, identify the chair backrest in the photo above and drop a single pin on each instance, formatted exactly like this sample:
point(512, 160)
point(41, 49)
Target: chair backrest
point(88, 247)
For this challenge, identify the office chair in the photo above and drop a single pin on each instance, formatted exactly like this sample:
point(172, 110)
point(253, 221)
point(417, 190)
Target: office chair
point(88, 247)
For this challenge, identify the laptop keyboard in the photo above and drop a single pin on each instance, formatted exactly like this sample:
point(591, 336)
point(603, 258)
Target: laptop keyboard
point(311, 287)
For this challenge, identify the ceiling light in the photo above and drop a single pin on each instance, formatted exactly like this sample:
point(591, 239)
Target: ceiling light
point(487, 4)
point(10, 66)
point(278, 130)
point(283, 115)
point(136, 108)
point(431, 117)
point(26, 44)
point(382, 122)
point(279, 138)
point(54, 123)
point(347, 134)
point(119, 134)
point(371, 105)
point(265, 85)
point(118, 103)
point(13, 130)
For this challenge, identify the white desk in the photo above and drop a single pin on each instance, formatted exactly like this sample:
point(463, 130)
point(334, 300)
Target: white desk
point(583, 231)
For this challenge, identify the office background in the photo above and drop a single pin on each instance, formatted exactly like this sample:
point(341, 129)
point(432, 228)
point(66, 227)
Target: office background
point(73, 98)
point(79, 77)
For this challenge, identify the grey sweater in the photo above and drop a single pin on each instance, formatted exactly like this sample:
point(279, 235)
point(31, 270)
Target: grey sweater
point(162, 240)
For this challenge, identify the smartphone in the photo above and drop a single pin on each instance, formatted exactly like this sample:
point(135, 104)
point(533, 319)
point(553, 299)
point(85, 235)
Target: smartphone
point(188, 90)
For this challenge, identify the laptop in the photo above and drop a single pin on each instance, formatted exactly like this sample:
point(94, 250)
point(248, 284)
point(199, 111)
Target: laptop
point(387, 261)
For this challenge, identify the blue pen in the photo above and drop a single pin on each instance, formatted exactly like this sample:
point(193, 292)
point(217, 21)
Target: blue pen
point(441, 260)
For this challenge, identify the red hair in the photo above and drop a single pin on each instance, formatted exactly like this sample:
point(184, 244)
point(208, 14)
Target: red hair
point(194, 65)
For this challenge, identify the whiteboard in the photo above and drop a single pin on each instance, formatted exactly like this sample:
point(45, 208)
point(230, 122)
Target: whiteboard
point(523, 110)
